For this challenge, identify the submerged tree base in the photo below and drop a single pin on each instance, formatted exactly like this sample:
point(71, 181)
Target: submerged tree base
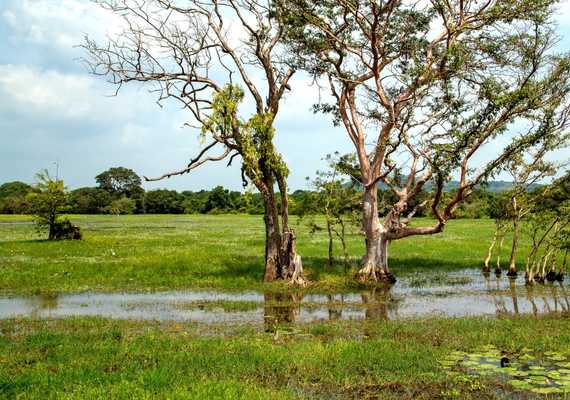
point(371, 274)
point(512, 273)
point(551, 276)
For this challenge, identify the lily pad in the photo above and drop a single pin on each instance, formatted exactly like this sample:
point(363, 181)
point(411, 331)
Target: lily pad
point(546, 390)
point(536, 368)
point(520, 384)
point(486, 366)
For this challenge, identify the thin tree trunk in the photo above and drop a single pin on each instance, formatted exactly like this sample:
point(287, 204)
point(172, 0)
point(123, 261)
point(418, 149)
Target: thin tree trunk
point(343, 243)
point(562, 271)
point(498, 270)
point(487, 267)
point(330, 233)
point(514, 246)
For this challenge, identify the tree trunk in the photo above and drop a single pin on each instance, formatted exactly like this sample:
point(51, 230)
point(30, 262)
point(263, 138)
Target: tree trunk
point(487, 267)
point(375, 262)
point(515, 244)
point(291, 263)
point(343, 243)
point(330, 233)
point(498, 270)
point(272, 238)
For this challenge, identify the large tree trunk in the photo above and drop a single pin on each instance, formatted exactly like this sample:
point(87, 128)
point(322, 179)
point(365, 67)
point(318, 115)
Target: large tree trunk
point(272, 238)
point(291, 263)
point(281, 259)
point(375, 262)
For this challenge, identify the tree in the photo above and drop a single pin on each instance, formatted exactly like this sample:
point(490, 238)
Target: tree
point(163, 202)
point(423, 89)
point(337, 199)
point(122, 206)
point(13, 198)
point(526, 170)
point(194, 201)
point(14, 189)
point(548, 224)
point(498, 209)
point(89, 200)
point(120, 181)
point(47, 204)
point(185, 52)
point(219, 200)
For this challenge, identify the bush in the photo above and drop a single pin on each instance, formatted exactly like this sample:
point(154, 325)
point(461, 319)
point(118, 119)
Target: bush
point(122, 206)
point(65, 230)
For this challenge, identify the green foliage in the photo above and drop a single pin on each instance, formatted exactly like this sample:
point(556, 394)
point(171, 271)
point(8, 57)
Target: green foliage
point(89, 200)
point(121, 206)
point(337, 198)
point(48, 202)
point(16, 188)
point(219, 201)
point(13, 198)
point(253, 138)
point(120, 181)
point(163, 202)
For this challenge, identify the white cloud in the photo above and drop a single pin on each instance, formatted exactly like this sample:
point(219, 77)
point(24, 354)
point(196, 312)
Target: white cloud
point(57, 23)
point(64, 96)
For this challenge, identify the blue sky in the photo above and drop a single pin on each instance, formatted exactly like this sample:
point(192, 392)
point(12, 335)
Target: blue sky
point(52, 110)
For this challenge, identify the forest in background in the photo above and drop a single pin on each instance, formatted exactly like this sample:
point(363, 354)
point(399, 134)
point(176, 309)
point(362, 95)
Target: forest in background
point(119, 191)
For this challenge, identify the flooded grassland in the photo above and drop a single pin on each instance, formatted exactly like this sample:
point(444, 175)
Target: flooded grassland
point(144, 308)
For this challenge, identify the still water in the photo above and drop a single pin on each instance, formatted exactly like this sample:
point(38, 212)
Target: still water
point(463, 293)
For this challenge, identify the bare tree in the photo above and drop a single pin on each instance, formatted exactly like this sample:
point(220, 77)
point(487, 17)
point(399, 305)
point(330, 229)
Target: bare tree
point(431, 91)
point(210, 56)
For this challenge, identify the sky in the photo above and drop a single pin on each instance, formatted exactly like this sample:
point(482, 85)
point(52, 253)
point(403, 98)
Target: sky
point(55, 115)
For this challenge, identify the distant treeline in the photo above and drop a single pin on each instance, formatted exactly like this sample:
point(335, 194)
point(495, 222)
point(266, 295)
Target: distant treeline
point(120, 191)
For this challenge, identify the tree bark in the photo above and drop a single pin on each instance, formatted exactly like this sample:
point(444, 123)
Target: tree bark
point(281, 259)
point(291, 262)
point(272, 237)
point(375, 262)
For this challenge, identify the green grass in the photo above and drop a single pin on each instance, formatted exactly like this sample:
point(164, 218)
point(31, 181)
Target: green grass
point(93, 358)
point(158, 252)
point(90, 358)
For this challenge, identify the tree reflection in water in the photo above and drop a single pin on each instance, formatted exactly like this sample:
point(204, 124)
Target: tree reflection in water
point(281, 308)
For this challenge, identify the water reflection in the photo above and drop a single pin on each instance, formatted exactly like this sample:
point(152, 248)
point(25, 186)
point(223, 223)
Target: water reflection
point(281, 308)
point(379, 303)
point(540, 299)
point(475, 294)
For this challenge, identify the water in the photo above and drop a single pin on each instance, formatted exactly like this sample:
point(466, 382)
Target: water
point(464, 293)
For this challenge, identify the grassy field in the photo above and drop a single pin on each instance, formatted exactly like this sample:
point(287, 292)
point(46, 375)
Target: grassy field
point(224, 252)
point(93, 358)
